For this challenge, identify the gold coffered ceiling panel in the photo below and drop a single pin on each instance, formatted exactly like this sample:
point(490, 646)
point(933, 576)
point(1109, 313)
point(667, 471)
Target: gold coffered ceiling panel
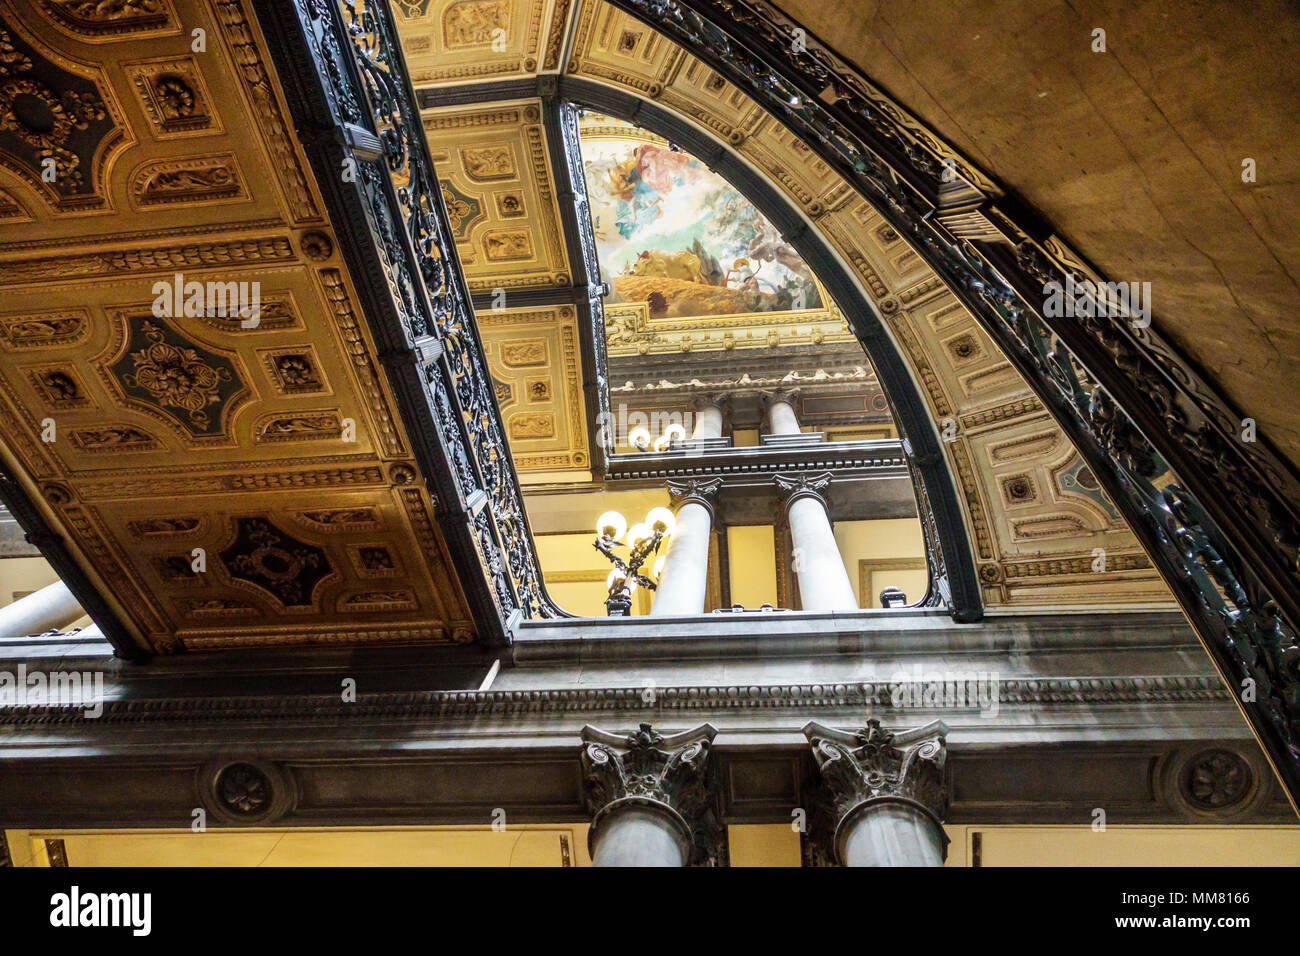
point(497, 183)
point(466, 40)
point(536, 371)
point(223, 482)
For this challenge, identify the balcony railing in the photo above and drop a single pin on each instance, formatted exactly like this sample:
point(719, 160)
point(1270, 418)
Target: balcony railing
point(357, 116)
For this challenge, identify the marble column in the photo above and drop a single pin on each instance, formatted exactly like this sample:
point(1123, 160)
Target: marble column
point(652, 797)
point(708, 418)
point(50, 608)
point(682, 586)
point(780, 416)
point(824, 584)
point(884, 795)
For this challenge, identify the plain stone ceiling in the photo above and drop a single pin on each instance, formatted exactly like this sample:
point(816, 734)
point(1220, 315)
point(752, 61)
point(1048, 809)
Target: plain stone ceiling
point(1133, 156)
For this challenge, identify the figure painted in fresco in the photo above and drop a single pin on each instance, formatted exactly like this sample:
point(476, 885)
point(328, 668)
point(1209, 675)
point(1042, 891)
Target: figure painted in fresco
point(671, 232)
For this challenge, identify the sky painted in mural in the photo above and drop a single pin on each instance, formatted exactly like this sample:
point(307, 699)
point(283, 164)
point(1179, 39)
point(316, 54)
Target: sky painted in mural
point(672, 233)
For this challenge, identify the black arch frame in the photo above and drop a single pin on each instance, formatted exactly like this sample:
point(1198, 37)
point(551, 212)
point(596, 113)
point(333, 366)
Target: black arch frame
point(948, 552)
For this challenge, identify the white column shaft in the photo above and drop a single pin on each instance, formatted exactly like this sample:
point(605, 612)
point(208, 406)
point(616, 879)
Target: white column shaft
point(51, 607)
point(781, 419)
point(682, 585)
point(708, 422)
point(637, 836)
point(824, 585)
point(892, 834)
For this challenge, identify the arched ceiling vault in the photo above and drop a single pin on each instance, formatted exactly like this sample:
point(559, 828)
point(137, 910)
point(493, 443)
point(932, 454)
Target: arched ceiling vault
point(1218, 514)
point(1032, 516)
point(1134, 155)
point(291, 155)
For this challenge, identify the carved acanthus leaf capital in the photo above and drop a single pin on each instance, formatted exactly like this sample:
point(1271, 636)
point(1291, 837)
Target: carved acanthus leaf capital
point(787, 395)
point(718, 400)
point(803, 485)
point(671, 772)
point(701, 491)
point(873, 765)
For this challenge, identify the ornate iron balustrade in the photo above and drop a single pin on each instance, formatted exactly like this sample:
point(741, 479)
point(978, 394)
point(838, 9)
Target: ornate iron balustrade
point(356, 112)
point(1220, 517)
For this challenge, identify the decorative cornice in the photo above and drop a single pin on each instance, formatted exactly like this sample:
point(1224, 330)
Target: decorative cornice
point(865, 768)
point(472, 705)
point(756, 462)
point(671, 774)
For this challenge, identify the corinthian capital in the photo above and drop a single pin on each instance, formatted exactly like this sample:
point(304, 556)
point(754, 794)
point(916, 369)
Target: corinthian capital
point(803, 485)
point(669, 773)
point(870, 766)
point(700, 491)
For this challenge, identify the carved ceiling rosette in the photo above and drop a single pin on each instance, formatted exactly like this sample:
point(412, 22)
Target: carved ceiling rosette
point(669, 773)
point(863, 768)
point(55, 126)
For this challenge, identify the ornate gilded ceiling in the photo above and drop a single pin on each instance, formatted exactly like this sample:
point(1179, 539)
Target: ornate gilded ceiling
point(224, 482)
point(1041, 529)
point(225, 485)
point(498, 187)
point(533, 354)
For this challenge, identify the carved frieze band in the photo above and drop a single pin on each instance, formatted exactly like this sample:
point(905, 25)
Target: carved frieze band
point(878, 695)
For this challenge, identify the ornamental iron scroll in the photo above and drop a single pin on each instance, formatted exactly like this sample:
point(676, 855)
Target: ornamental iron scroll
point(1219, 517)
point(357, 114)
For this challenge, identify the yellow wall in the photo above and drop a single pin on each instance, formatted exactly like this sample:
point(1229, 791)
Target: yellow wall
point(774, 844)
point(558, 845)
point(751, 556)
point(881, 543)
point(1126, 846)
point(19, 575)
point(575, 572)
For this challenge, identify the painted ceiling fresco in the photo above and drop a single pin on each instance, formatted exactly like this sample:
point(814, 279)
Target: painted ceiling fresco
point(673, 234)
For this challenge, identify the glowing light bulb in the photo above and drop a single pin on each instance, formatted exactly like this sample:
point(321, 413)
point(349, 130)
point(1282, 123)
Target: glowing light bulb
point(639, 438)
point(675, 431)
point(611, 525)
point(617, 577)
point(638, 534)
point(661, 519)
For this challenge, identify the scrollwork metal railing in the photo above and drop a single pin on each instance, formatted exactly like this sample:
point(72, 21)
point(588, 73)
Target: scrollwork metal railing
point(360, 112)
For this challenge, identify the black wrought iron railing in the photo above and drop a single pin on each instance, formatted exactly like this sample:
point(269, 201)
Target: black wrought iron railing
point(359, 122)
point(1219, 516)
